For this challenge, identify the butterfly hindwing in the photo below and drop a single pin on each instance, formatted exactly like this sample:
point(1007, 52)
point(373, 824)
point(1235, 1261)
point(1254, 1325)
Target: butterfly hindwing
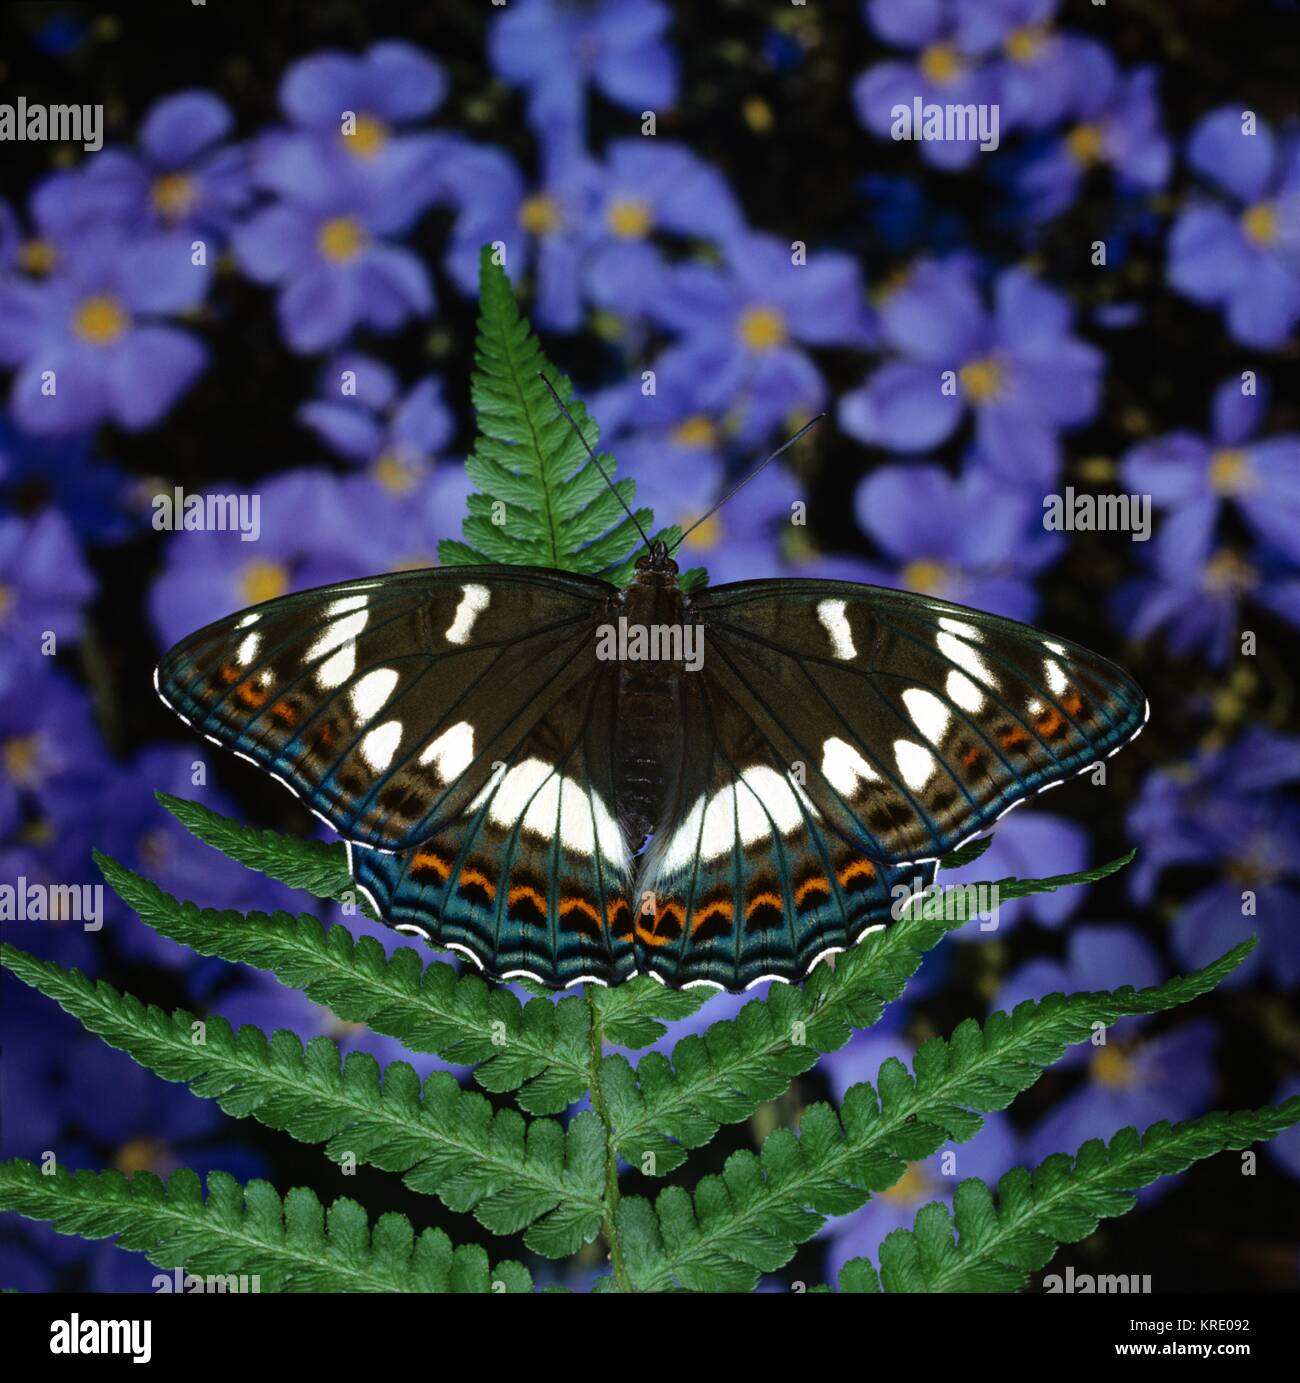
point(534, 877)
point(752, 880)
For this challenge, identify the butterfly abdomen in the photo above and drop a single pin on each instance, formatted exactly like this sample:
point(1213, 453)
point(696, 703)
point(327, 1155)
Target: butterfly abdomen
point(649, 708)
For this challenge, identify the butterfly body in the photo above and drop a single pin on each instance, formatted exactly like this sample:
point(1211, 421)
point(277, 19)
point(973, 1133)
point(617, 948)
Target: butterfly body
point(561, 779)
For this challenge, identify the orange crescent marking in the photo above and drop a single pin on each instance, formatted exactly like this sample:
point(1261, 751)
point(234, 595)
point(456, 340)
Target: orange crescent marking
point(808, 885)
point(285, 712)
point(426, 859)
point(854, 868)
point(1013, 737)
point(473, 876)
point(250, 696)
point(758, 900)
point(1073, 703)
point(568, 905)
point(1049, 722)
point(722, 905)
point(526, 891)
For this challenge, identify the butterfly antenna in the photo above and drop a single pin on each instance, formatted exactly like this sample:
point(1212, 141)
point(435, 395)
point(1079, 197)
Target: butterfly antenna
point(559, 403)
point(785, 446)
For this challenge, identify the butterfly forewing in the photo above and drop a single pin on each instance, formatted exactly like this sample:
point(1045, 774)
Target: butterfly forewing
point(384, 704)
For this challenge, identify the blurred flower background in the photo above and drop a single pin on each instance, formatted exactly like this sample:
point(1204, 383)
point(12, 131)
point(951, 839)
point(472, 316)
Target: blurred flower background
point(710, 193)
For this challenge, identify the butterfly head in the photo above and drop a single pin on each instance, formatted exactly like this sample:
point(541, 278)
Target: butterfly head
point(657, 560)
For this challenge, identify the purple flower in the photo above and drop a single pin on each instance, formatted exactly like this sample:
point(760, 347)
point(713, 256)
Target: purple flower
point(545, 229)
point(87, 341)
point(1029, 845)
point(553, 49)
point(328, 246)
point(1193, 590)
point(971, 540)
point(943, 74)
point(1224, 810)
point(646, 186)
point(1098, 956)
point(44, 584)
point(93, 495)
point(361, 419)
point(1192, 476)
point(1245, 257)
point(184, 178)
point(744, 328)
point(1133, 1085)
point(1118, 126)
point(1020, 370)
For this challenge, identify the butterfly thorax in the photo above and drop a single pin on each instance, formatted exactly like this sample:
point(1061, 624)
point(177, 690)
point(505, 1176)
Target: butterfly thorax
point(650, 695)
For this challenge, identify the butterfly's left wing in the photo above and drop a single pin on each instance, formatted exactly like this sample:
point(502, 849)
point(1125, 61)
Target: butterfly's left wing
point(455, 727)
point(863, 732)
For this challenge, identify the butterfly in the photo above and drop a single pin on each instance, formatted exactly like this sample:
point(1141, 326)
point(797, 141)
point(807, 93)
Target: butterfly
point(573, 782)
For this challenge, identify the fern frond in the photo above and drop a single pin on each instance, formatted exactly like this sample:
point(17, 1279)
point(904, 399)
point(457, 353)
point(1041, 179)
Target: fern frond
point(998, 1244)
point(631, 1013)
point(750, 1219)
point(542, 501)
point(664, 1107)
point(540, 1048)
point(293, 1245)
point(509, 1173)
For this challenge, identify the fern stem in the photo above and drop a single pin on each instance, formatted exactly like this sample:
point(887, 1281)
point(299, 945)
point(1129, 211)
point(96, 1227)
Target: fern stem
point(609, 1207)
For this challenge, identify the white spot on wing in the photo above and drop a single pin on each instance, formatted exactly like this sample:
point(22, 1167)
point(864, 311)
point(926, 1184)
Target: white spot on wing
point(452, 752)
point(474, 600)
point(372, 692)
point(915, 763)
point(956, 626)
point(337, 668)
point(1057, 681)
point(964, 692)
point(843, 767)
point(961, 653)
point(929, 713)
point(836, 624)
point(381, 743)
point(247, 649)
point(250, 618)
point(342, 631)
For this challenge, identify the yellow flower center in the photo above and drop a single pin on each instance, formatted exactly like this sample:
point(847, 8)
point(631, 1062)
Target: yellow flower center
point(397, 473)
point(539, 214)
point(629, 218)
point(940, 64)
point(37, 256)
point(1259, 222)
point(99, 320)
point(762, 329)
point(1086, 144)
point(1230, 472)
point(39, 833)
point(758, 115)
point(174, 195)
point(1228, 574)
point(1113, 1068)
point(1027, 42)
point(262, 580)
point(141, 1155)
point(696, 432)
point(153, 850)
point(6, 600)
point(982, 380)
point(925, 575)
point(914, 1185)
point(341, 239)
point(367, 139)
point(706, 536)
point(22, 754)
